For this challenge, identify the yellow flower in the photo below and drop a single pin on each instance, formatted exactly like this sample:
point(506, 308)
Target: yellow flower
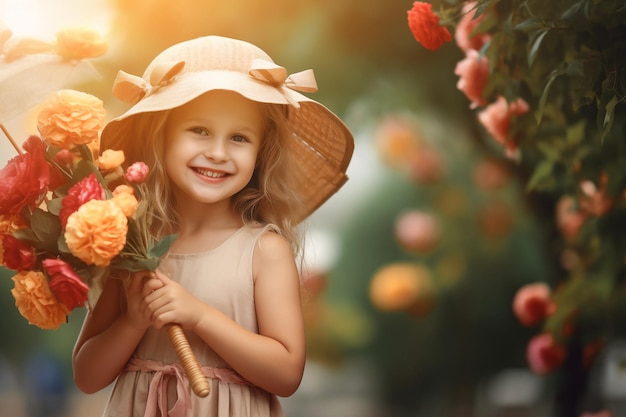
point(36, 302)
point(110, 159)
point(79, 43)
point(96, 232)
point(71, 118)
point(124, 197)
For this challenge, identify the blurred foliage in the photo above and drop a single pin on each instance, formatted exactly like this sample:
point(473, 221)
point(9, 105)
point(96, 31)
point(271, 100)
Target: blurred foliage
point(431, 363)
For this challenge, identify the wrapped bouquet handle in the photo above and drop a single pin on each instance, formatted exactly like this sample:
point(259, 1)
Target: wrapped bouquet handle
point(198, 381)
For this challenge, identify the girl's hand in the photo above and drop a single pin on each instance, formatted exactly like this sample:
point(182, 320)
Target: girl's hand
point(141, 283)
point(168, 302)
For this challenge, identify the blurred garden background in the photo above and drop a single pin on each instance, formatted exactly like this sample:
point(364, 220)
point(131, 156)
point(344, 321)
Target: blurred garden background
point(413, 268)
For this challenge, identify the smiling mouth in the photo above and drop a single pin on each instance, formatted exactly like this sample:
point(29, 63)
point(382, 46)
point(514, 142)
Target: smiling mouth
point(209, 173)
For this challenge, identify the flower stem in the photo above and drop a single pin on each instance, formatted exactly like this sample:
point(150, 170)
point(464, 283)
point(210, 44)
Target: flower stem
point(8, 135)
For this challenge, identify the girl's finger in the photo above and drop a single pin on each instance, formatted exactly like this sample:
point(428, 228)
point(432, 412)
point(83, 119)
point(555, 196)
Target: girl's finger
point(151, 284)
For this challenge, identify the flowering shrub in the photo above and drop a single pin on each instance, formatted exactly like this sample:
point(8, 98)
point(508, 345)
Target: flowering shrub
point(547, 82)
point(61, 226)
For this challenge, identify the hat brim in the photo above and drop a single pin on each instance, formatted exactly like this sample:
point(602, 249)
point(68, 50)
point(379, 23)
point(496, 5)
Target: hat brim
point(321, 143)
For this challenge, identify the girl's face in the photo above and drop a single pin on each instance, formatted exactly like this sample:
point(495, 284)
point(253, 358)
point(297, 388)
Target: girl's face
point(211, 146)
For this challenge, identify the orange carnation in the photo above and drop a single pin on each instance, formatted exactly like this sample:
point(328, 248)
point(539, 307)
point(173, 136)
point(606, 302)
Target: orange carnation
point(110, 159)
point(96, 232)
point(79, 43)
point(424, 25)
point(71, 118)
point(124, 197)
point(36, 302)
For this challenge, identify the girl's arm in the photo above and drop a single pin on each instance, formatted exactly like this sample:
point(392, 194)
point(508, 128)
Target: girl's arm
point(109, 336)
point(272, 360)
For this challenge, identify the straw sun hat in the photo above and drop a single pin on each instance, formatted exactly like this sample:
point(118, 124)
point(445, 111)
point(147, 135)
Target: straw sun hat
point(320, 142)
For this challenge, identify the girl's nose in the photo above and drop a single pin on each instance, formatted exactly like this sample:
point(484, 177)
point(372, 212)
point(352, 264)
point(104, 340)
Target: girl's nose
point(216, 150)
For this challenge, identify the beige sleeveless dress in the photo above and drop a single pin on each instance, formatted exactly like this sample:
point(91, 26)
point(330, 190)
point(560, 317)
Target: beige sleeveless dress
point(154, 384)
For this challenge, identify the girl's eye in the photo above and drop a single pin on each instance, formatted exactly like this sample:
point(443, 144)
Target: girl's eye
point(199, 131)
point(240, 138)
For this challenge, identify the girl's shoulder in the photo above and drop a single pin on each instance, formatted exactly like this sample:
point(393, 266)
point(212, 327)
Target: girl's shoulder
point(271, 244)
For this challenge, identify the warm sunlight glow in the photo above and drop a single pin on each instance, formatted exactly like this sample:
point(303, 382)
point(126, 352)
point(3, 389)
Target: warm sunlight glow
point(43, 18)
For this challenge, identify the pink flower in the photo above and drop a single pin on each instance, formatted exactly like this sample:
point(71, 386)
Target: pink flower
point(533, 303)
point(417, 231)
point(464, 36)
point(65, 284)
point(594, 199)
point(474, 74)
point(496, 118)
point(569, 219)
point(544, 355)
point(137, 172)
point(424, 25)
point(89, 188)
point(17, 255)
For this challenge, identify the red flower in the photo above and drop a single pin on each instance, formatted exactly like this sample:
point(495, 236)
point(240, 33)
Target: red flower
point(544, 355)
point(24, 179)
point(533, 303)
point(18, 255)
point(65, 284)
point(89, 188)
point(34, 144)
point(424, 25)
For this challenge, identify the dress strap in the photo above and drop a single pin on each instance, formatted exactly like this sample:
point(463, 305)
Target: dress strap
point(157, 391)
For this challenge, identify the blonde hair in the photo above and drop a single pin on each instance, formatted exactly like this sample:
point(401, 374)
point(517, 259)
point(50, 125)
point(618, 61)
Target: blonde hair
point(269, 197)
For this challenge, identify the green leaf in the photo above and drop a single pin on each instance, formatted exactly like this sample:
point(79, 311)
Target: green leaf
point(542, 172)
point(609, 117)
point(54, 206)
point(534, 43)
point(544, 95)
point(529, 24)
point(161, 247)
point(45, 225)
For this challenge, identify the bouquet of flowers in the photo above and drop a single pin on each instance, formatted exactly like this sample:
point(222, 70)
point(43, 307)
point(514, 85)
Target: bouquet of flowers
point(69, 215)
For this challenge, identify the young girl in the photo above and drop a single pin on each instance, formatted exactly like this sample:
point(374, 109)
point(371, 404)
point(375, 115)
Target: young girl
point(237, 159)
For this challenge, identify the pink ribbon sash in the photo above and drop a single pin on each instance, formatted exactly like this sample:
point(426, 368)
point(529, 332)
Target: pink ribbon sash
point(157, 391)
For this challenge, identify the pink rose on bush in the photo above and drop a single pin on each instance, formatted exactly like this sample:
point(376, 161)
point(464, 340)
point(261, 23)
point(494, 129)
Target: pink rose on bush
point(137, 172)
point(543, 354)
point(473, 71)
point(464, 36)
point(65, 284)
point(533, 303)
point(496, 118)
point(89, 188)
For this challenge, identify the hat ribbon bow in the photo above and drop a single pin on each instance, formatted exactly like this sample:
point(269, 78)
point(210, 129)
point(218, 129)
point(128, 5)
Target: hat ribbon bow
point(275, 75)
point(130, 88)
